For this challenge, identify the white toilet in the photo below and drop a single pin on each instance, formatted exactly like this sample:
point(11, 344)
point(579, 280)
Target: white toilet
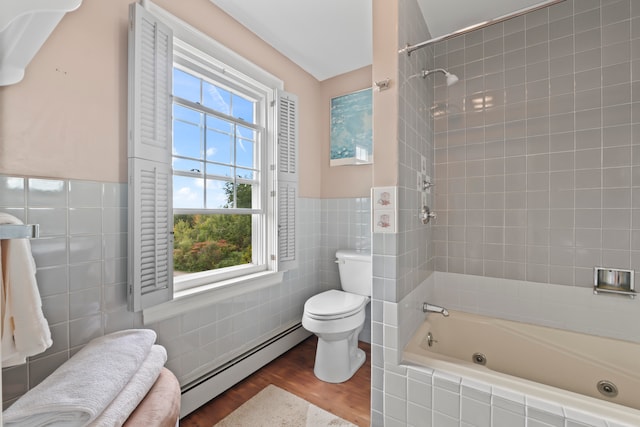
point(337, 317)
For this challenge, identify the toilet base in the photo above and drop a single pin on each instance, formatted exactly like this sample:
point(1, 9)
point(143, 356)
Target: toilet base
point(337, 361)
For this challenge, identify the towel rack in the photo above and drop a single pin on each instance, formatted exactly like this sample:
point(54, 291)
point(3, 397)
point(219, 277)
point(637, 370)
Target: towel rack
point(19, 231)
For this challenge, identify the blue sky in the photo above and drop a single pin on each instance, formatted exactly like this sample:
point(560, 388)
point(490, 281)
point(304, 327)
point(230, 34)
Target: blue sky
point(212, 144)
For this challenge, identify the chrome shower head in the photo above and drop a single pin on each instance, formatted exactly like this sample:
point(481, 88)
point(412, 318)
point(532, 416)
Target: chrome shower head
point(451, 78)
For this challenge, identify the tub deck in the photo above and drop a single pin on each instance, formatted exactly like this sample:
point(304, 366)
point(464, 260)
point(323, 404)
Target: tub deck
point(556, 364)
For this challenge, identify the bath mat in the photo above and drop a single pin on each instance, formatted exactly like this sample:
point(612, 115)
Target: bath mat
point(274, 406)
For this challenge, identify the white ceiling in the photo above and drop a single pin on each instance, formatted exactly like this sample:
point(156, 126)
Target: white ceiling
point(331, 37)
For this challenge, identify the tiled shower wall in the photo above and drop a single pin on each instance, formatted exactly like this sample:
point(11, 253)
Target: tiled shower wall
point(537, 159)
point(81, 257)
point(403, 260)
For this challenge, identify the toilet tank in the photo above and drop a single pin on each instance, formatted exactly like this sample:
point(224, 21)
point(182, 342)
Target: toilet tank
point(355, 271)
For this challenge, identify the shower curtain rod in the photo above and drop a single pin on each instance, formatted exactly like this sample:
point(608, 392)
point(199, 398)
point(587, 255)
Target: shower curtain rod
point(408, 49)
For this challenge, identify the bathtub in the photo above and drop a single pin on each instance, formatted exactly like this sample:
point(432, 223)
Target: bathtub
point(562, 367)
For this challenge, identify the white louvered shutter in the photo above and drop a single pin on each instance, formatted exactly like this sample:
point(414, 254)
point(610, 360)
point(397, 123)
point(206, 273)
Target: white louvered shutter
point(287, 179)
point(150, 266)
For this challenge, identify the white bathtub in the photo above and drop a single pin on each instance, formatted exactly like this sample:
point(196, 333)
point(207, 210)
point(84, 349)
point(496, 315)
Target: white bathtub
point(546, 364)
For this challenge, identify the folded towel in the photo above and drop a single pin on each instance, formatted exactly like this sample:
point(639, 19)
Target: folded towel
point(82, 387)
point(25, 331)
point(135, 390)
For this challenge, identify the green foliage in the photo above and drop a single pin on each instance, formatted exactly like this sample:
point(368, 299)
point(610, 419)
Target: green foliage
point(206, 242)
point(243, 195)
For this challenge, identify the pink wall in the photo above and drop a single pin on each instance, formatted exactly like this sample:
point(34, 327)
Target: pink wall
point(342, 181)
point(385, 103)
point(68, 117)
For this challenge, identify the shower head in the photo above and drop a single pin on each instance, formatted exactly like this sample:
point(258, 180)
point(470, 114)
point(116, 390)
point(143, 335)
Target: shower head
point(451, 78)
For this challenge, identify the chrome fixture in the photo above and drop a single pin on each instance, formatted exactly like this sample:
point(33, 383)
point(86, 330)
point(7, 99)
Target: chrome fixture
point(426, 215)
point(614, 281)
point(430, 340)
point(451, 78)
point(430, 308)
point(383, 84)
point(479, 359)
point(19, 231)
point(607, 388)
point(426, 185)
point(408, 49)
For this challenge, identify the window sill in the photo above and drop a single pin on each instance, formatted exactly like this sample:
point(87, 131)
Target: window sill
point(201, 296)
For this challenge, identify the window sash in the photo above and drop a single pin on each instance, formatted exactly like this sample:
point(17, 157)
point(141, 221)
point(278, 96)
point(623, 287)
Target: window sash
point(194, 280)
point(258, 170)
point(202, 108)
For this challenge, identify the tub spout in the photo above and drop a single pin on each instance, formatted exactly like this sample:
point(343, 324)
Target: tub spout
point(430, 308)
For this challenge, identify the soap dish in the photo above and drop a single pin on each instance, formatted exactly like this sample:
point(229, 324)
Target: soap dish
point(613, 280)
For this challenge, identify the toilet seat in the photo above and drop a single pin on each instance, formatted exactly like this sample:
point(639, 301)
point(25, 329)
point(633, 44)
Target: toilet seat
point(334, 304)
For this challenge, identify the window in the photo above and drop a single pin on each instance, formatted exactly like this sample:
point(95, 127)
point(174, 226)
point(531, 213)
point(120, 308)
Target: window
point(212, 157)
point(220, 210)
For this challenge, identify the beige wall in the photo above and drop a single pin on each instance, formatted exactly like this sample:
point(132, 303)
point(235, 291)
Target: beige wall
point(68, 117)
point(342, 181)
point(385, 103)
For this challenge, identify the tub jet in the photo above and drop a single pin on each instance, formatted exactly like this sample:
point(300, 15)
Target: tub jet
point(607, 388)
point(479, 358)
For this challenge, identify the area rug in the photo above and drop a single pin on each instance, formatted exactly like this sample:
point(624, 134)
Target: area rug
point(274, 406)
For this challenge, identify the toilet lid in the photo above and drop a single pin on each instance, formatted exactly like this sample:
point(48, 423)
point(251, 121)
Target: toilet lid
point(334, 303)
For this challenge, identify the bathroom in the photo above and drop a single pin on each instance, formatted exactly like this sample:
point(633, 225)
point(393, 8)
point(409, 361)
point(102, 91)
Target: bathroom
point(66, 133)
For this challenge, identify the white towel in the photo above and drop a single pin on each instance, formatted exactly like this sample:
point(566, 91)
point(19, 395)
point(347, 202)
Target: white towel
point(135, 390)
point(25, 331)
point(82, 387)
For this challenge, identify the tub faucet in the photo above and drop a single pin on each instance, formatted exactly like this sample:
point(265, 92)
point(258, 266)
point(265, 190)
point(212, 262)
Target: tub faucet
point(430, 308)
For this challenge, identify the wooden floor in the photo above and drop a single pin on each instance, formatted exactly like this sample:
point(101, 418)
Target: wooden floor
point(293, 371)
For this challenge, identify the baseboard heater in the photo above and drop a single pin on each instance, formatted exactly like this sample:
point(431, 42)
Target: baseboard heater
point(205, 388)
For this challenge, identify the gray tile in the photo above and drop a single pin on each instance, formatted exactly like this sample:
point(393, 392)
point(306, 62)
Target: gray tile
point(14, 382)
point(588, 159)
point(86, 194)
point(85, 276)
point(12, 191)
point(616, 32)
point(560, 27)
point(537, 34)
point(588, 40)
point(85, 248)
point(84, 303)
point(561, 47)
point(587, 20)
point(588, 59)
point(49, 252)
point(83, 330)
point(615, 12)
point(536, 53)
point(616, 53)
point(52, 221)
point(616, 157)
point(588, 99)
point(85, 221)
point(50, 193)
point(56, 308)
point(114, 220)
point(616, 94)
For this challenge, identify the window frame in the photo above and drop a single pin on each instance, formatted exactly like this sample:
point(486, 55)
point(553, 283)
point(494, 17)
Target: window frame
point(264, 228)
point(198, 47)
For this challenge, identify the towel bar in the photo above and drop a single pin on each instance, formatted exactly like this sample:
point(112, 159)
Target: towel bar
point(18, 231)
